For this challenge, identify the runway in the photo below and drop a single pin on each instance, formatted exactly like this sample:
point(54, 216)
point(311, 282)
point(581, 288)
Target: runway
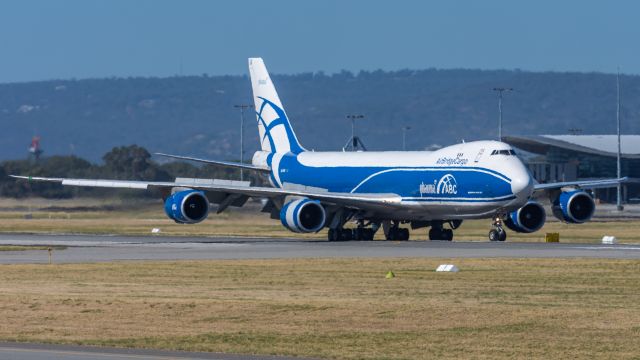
point(87, 248)
point(24, 351)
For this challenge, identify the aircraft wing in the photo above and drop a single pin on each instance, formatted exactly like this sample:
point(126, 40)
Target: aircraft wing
point(232, 190)
point(218, 163)
point(585, 184)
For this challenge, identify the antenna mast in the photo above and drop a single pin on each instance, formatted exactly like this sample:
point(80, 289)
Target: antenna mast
point(619, 187)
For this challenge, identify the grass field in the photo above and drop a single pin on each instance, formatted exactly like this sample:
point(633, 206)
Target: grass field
point(89, 216)
point(330, 308)
point(325, 308)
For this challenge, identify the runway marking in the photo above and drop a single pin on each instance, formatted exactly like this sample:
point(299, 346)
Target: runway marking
point(81, 243)
point(614, 247)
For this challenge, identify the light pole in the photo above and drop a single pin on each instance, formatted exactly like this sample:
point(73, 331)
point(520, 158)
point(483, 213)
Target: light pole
point(619, 160)
point(500, 90)
point(354, 142)
point(242, 108)
point(404, 137)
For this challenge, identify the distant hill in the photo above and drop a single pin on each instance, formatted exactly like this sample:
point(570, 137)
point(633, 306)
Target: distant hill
point(195, 116)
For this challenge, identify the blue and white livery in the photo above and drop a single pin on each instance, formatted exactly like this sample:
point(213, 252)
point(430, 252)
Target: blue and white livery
point(389, 189)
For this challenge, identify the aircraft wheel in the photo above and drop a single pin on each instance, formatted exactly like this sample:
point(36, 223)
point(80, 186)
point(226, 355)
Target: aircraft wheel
point(367, 234)
point(503, 235)
point(440, 234)
point(333, 234)
point(346, 234)
point(497, 234)
point(363, 233)
point(396, 233)
point(391, 234)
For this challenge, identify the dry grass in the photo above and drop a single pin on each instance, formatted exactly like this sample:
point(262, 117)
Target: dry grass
point(341, 309)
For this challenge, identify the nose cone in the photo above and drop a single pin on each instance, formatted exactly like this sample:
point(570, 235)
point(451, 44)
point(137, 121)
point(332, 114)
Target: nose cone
point(522, 186)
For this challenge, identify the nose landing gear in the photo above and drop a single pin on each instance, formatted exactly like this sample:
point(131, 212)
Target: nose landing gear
point(497, 233)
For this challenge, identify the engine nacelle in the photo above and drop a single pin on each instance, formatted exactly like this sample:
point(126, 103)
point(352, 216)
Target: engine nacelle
point(574, 207)
point(303, 216)
point(187, 206)
point(527, 219)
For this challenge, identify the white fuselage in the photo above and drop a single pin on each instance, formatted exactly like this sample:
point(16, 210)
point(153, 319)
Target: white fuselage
point(469, 180)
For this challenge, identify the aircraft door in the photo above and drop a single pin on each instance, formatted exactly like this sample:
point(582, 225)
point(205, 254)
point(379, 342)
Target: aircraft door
point(479, 156)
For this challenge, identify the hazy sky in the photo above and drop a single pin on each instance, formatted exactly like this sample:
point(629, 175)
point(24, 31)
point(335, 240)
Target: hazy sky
point(89, 38)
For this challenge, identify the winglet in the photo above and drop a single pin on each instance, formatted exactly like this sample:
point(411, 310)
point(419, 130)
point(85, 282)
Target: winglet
point(36, 178)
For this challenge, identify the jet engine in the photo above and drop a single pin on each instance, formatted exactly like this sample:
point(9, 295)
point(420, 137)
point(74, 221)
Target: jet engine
point(527, 219)
point(187, 206)
point(574, 207)
point(303, 216)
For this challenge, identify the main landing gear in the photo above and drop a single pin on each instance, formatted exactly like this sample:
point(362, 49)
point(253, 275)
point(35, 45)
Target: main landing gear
point(339, 234)
point(393, 231)
point(497, 232)
point(438, 232)
point(361, 232)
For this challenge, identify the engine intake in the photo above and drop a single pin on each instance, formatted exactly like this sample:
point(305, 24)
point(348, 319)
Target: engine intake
point(573, 207)
point(527, 219)
point(187, 206)
point(303, 216)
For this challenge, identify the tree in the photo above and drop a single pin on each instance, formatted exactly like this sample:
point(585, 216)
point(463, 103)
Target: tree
point(132, 163)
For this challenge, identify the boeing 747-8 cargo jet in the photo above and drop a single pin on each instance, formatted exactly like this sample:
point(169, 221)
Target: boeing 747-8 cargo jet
point(389, 189)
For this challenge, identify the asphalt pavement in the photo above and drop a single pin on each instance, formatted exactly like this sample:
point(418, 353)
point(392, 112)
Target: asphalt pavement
point(25, 351)
point(88, 248)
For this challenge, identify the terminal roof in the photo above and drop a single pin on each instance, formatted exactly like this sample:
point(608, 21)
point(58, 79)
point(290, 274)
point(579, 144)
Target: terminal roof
point(603, 145)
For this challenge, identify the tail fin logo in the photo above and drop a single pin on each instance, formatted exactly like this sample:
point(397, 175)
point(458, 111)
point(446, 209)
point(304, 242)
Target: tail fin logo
point(271, 116)
point(276, 134)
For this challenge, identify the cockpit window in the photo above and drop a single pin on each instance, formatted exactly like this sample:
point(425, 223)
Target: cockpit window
point(503, 152)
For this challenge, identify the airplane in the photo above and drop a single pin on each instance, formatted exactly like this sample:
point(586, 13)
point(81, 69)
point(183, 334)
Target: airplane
point(391, 190)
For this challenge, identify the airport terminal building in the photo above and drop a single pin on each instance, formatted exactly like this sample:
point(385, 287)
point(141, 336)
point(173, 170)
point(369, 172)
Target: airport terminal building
point(578, 157)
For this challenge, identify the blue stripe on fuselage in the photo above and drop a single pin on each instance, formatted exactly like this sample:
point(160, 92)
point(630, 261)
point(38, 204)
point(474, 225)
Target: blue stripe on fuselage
point(450, 184)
